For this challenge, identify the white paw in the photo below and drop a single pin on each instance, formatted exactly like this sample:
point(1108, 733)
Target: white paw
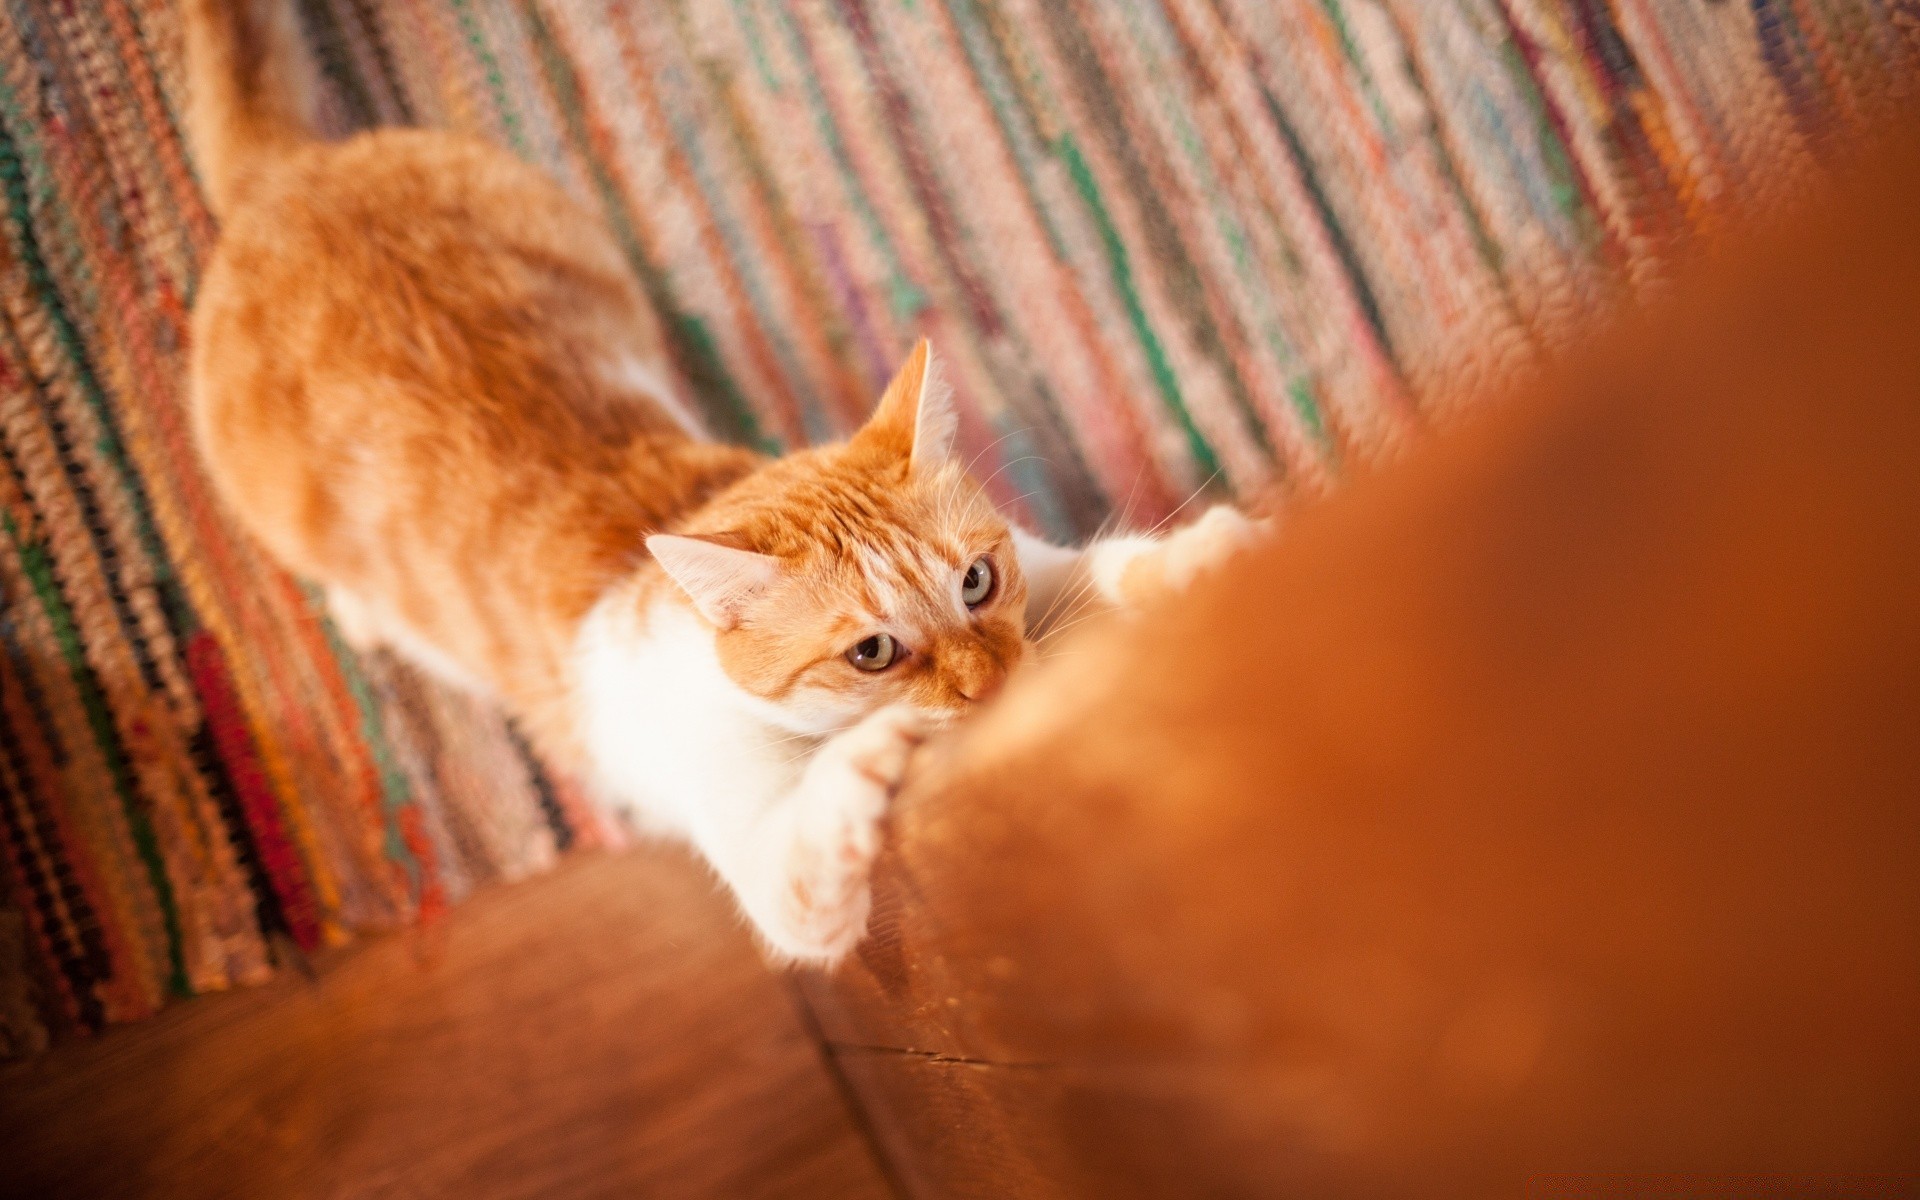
point(821, 909)
point(351, 618)
point(1132, 570)
point(1219, 534)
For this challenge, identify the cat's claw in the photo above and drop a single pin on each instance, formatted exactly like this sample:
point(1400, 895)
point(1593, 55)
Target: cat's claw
point(822, 910)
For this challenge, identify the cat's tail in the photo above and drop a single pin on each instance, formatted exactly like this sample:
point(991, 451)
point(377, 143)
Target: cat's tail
point(249, 91)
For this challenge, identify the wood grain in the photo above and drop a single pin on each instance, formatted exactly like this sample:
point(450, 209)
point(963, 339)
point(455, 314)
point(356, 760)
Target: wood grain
point(604, 1031)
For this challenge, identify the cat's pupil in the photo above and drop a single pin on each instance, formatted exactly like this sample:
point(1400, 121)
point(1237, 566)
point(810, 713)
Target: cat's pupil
point(977, 584)
point(873, 654)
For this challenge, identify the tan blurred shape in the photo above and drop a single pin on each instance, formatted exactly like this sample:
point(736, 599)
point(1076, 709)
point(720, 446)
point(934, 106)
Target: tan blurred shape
point(1538, 817)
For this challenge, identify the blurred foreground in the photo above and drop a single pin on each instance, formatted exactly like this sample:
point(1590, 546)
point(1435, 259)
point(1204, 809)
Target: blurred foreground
point(1540, 816)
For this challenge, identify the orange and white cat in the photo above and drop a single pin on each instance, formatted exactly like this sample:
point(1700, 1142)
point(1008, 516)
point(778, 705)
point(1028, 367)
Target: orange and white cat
point(421, 377)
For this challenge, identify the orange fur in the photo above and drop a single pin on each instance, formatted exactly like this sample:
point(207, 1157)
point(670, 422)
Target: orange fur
point(404, 383)
point(823, 511)
point(422, 377)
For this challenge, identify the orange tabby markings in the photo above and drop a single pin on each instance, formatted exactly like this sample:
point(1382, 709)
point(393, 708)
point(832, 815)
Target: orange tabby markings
point(423, 378)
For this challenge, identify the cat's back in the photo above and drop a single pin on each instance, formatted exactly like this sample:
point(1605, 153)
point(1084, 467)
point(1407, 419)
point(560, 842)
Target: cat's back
point(432, 264)
point(412, 330)
point(452, 207)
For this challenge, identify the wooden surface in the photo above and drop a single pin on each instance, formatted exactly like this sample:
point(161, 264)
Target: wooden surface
point(1541, 816)
point(605, 1031)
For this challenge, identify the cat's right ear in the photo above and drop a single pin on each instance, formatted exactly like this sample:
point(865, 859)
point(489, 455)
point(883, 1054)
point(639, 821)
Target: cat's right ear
point(915, 418)
point(720, 580)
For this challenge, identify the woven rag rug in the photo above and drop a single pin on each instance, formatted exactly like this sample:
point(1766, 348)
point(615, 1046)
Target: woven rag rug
point(1159, 243)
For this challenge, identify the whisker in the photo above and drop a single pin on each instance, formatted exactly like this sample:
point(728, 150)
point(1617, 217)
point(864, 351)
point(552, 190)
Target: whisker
point(1088, 605)
point(1054, 655)
point(809, 751)
point(975, 461)
point(951, 500)
point(1075, 600)
point(1191, 497)
point(822, 735)
point(792, 737)
point(1125, 510)
point(1023, 497)
point(793, 760)
point(1069, 600)
point(1005, 466)
point(1081, 619)
point(1067, 595)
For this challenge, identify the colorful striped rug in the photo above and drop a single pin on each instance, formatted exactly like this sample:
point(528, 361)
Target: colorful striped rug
point(1160, 243)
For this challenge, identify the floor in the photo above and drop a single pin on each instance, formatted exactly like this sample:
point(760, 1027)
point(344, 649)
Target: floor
point(606, 1030)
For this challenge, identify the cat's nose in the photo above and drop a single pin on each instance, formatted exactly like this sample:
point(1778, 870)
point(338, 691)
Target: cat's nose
point(976, 674)
point(982, 686)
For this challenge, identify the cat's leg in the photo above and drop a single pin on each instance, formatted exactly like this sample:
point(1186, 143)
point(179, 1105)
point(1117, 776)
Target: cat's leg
point(352, 618)
point(1123, 570)
point(1131, 569)
point(799, 862)
point(362, 629)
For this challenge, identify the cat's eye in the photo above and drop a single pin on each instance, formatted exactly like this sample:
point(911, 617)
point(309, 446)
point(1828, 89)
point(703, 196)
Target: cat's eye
point(977, 584)
point(874, 654)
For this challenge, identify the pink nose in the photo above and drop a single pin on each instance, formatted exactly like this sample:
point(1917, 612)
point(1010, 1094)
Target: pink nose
point(974, 673)
point(983, 686)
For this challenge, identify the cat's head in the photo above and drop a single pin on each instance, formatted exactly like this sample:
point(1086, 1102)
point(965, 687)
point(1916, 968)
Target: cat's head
point(847, 577)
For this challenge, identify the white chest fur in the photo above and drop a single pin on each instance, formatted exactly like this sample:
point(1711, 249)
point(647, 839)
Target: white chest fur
point(669, 735)
point(789, 820)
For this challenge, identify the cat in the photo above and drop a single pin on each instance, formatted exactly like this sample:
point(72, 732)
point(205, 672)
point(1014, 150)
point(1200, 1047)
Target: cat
point(421, 377)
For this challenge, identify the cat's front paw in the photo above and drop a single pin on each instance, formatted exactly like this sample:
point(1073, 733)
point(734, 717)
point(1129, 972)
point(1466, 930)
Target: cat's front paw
point(825, 897)
point(1221, 532)
point(1132, 571)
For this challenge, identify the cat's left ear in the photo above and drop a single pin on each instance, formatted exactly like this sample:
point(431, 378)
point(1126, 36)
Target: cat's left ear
point(915, 417)
point(720, 580)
